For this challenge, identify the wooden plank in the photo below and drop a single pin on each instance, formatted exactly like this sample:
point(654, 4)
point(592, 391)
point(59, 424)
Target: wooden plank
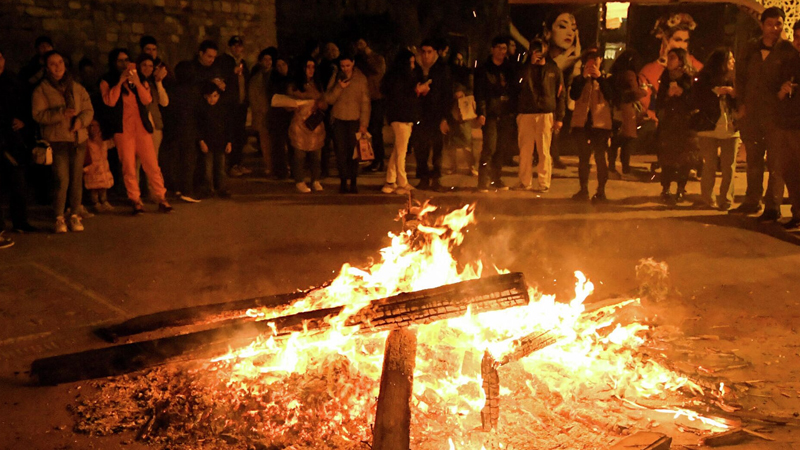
point(393, 416)
point(399, 311)
point(212, 313)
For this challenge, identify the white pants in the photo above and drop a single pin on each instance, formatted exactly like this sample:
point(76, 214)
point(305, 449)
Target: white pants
point(535, 131)
point(396, 172)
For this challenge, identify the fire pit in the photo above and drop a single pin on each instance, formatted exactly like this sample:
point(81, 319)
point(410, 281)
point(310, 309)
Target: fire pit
point(416, 350)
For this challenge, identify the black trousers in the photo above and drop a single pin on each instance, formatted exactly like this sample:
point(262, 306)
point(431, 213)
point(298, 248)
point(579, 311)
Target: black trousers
point(13, 184)
point(622, 146)
point(376, 119)
point(592, 141)
point(344, 138)
point(216, 180)
point(426, 138)
point(239, 139)
point(187, 154)
point(497, 133)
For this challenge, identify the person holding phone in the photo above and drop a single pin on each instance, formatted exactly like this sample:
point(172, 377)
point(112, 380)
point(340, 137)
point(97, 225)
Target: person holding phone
point(127, 97)
point(348, 93)
point(541, 104)
point(674, 109)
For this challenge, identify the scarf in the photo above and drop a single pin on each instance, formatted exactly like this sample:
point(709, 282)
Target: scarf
point(64, 87)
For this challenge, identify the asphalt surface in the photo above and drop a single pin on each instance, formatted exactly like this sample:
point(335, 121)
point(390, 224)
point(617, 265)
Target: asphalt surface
point(731, 277)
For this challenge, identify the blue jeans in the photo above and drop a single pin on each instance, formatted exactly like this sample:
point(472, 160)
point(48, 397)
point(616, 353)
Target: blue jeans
point(67, 166)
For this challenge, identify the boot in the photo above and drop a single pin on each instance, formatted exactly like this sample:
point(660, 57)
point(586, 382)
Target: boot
point(353, 186)
point(343, 186)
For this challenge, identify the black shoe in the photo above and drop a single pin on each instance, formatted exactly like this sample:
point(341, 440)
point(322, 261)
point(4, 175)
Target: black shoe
point(626, 170)
point(353, 187)
point(599, 197)
point(138, 208)
point(343, 187)
point(614, 175)
point(223, 194)
point(499, 185)
point(25, 228)
point(667, 197)
point(769, 215)
point(164, 207)
point(792, 225)
point(376, 166)
point(436, 186)
point(680, 196)
point(558, 164)
point(746, 208)
point(424, 184)
point(582, 195)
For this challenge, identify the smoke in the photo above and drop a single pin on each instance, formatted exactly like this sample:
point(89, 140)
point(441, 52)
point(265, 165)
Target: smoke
point(653, 278)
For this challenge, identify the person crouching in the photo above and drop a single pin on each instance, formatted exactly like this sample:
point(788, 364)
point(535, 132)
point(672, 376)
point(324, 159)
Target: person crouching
point(215, 136)
point(591, 122)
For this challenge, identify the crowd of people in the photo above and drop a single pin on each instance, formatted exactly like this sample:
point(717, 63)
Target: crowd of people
point(179, 132)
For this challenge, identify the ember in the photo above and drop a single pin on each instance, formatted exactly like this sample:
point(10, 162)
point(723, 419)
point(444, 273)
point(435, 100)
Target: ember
point(562, 374)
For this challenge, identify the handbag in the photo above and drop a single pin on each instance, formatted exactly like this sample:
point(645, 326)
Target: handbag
point(42, 153)
point(464, 109)
point(363, 150)
point(314, 120)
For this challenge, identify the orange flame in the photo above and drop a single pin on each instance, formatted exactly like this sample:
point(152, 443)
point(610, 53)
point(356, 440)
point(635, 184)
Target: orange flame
point(588, 354)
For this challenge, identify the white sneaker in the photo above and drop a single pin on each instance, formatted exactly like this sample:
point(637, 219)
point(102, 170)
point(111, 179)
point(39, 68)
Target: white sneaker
point(61, 225)
point(317, 186)
point(75, 223)
point(389, 188)
point(303, 187)
point(188, 199)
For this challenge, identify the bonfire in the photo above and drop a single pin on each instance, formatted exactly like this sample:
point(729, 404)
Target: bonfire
point(544, 374)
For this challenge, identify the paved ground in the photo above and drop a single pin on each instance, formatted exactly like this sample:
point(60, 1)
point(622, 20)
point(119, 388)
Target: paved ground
point(732, 278)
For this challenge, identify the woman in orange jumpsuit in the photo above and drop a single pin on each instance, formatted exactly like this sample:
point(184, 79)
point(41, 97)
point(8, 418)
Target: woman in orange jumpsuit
point(127, 97)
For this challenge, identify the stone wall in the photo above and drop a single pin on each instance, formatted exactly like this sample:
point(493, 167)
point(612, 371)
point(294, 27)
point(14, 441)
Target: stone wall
point(93, 27)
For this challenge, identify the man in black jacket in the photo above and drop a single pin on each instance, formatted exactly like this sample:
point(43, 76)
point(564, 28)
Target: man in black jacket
point(494, 89)
point(540, 104)
point(435, 105)
point(757, 81)
point(235, 73)
point(185, 100)
point(13, 153)
point(789, 135)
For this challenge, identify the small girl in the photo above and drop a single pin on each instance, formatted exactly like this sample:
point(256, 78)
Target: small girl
point(96, 173)
point(674, 108)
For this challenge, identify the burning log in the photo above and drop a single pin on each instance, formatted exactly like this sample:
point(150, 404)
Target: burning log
point(521, 348)
point(196, 314)
point(399, 311)
point(490, 414)
point(393, 416)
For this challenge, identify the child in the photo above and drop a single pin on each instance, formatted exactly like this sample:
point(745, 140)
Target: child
point(215, 140)
point(97, 174)
point(591, 121)
point(674, 108)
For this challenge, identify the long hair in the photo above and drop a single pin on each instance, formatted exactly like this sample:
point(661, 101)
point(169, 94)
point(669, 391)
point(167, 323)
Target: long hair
point(716, 67)
point(628, 60)
point(300, 79)
point(142, 58)
point(113, 75)
point(683, 57)
point(64, 85)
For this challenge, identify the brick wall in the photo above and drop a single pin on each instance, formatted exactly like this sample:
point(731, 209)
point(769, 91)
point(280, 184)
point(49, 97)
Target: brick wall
point(93, 27)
